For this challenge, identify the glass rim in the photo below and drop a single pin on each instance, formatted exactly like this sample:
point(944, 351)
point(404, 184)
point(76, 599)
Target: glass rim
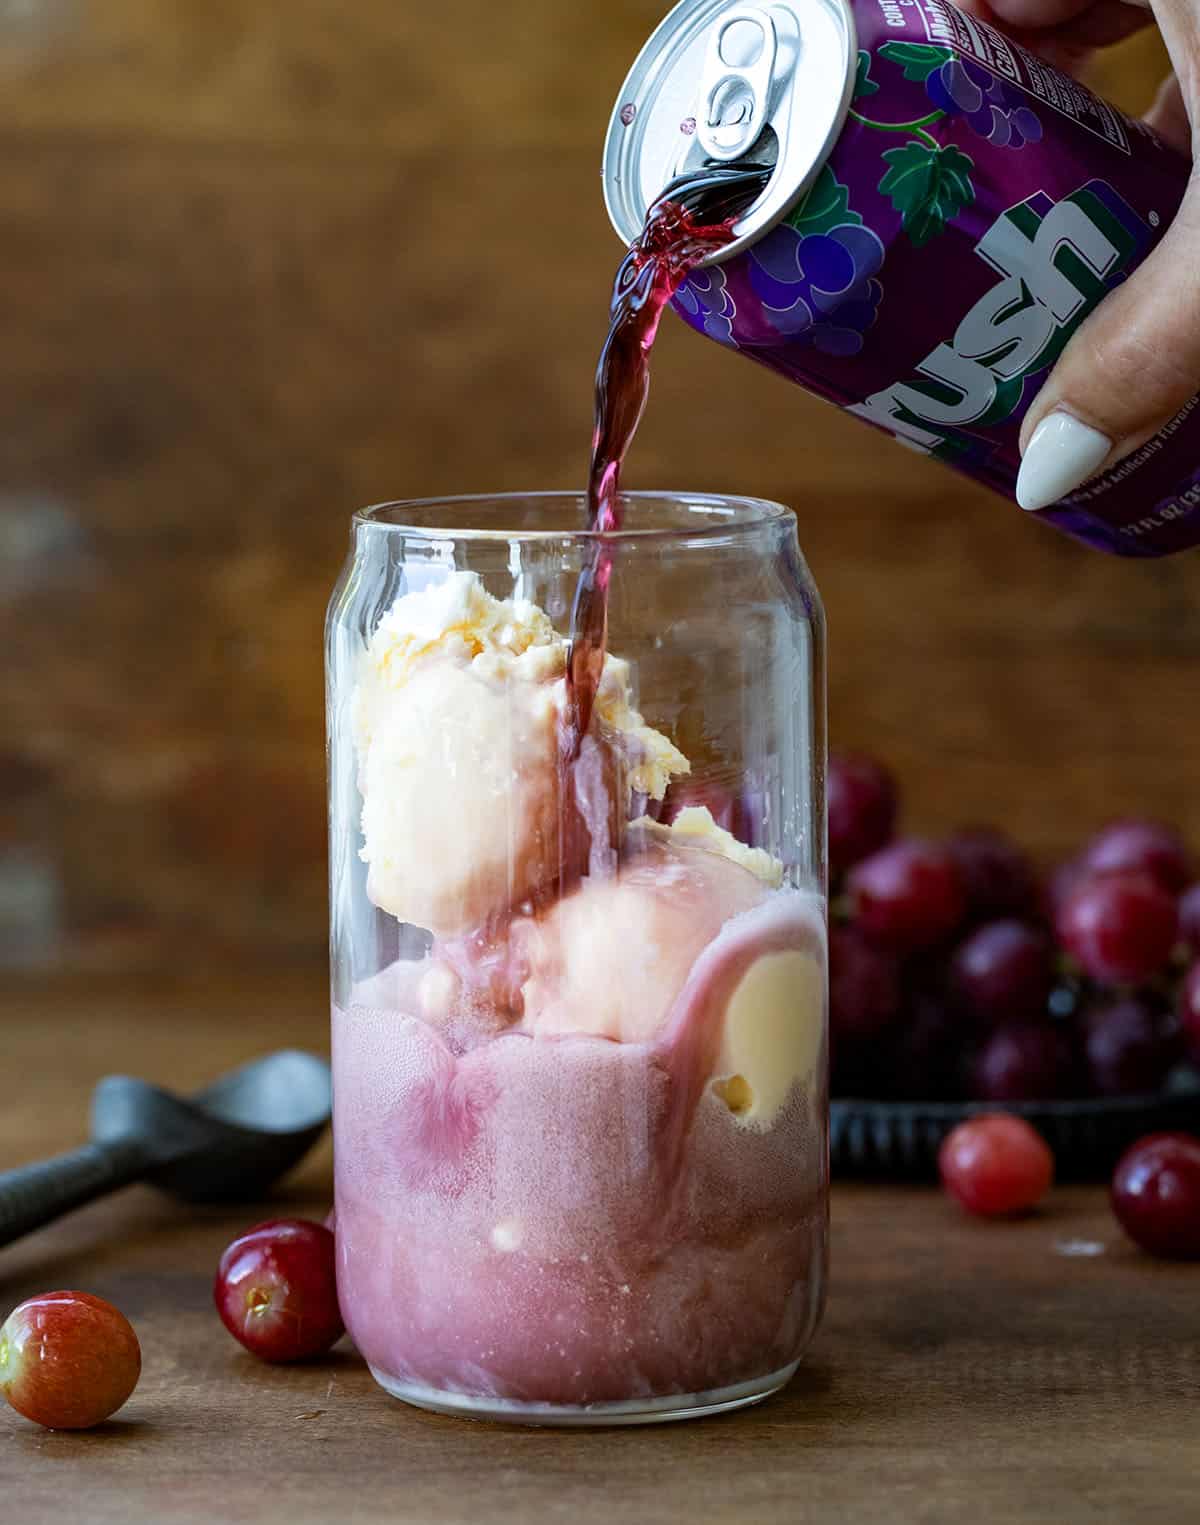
point(731, 514)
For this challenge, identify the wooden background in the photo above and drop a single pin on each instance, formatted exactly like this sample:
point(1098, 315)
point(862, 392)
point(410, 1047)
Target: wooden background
point(262, 261)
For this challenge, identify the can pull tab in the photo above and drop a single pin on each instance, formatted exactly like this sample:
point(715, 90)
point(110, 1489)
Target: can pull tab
point(736, 84)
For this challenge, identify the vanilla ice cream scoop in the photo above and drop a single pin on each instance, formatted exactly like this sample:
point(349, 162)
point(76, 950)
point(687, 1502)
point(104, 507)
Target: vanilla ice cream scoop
point(610, 959)
point(456, 720)
point(718, 966)
point(677, 886)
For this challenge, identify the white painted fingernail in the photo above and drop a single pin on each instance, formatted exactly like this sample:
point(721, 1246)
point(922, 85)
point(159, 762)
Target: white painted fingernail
point(1062, 453)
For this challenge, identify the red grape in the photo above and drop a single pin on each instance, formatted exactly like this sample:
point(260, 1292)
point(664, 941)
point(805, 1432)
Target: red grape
point(1189, 918)
point(68, 1360)
point(1024, 1062)
point(1003, 972)
point(857, 1066)
point(1140, 846)
point(276, 1290)
point(1129, 1048)
point(907, 896)
point(1156, 1194)
point(922, 1058)
point(1120, 928)
point(861, 802)
point(998, 877)
point(996, 1165)
point(1189, 1008)
point(864, 985)
point(1061, 883)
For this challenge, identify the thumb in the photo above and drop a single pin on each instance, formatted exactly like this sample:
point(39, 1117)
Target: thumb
point(1134, 363)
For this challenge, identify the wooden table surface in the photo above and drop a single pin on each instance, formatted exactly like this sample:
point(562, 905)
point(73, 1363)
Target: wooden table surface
point(1027, 1372)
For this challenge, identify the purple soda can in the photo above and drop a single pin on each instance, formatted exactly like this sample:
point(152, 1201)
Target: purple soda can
point(943, 212)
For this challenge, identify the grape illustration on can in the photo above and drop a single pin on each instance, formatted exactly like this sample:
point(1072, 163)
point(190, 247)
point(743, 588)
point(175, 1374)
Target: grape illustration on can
point(815, 278)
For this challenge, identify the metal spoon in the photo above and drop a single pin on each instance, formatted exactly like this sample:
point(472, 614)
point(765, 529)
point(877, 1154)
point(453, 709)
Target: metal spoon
point(228, 1141)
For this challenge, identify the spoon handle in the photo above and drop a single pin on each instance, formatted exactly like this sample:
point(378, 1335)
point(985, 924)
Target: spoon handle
point(32, 1195)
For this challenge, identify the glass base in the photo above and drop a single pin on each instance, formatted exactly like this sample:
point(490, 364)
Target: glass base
point(719, 1400)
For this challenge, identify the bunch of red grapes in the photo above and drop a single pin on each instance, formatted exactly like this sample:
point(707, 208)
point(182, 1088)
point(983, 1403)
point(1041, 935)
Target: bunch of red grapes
point(958, 972)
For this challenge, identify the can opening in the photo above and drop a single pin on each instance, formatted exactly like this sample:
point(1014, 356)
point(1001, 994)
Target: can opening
point(740, 84)
point(762, 154)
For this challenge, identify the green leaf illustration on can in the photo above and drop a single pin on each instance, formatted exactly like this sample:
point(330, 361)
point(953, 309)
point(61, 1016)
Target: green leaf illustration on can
point(928, 187)
point(864, 85)
point(917, 59)
point(827, 206)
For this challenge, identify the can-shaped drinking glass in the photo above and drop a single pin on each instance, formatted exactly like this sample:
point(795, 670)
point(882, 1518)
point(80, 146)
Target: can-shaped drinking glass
point(579, 983)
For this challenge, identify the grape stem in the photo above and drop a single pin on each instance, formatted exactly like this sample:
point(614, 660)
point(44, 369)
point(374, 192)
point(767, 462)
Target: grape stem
point(914, 127)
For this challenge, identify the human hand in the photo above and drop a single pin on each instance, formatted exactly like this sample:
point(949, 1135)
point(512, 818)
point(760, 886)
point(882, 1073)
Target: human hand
point(1135, 362)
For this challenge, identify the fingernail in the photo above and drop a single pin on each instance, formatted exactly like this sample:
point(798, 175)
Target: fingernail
point(1062, 453)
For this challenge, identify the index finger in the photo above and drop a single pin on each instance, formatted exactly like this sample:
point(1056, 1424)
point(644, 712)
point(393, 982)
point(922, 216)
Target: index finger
point(1062, 31)
point(1039, 15)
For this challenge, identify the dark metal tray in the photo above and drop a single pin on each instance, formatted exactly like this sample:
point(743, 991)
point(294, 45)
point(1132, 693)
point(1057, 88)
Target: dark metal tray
point(901, 1138)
